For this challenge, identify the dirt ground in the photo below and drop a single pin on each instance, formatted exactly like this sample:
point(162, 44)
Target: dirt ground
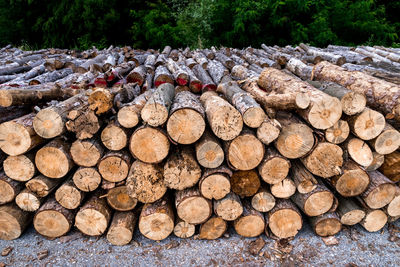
point(355, 247)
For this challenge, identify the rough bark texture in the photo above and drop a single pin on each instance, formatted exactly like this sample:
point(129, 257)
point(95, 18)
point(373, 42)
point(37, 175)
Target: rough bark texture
point(350, 213)
point(122, 227)
point(42, 186)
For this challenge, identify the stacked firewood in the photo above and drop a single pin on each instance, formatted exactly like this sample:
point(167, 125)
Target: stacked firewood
point(186, 141)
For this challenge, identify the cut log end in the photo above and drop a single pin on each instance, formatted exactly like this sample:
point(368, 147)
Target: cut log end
point(353, 103)
point(325, 113)
point(20, 168)
point(381, 196)
point(387, 142)
point(318, 203)
point(285, 223)
point(194, 210)
point(374, 220)
point(209, 153)
point(28, 201)
point(251, 225)
point(263, 201)
point(48, 123)
point(128, 117)
point(114, 137)
point(215, 186)
point(6, 99)
point(352, 182)
point(352, 217)
point(274, 170)
point(253, 117)
point(51, 223)
point(268, 131)
point(87, 179)
point(368, 125)
point(149, 145)
point(119, 199)
point(360, 152)
point(85, 153)
point(69, 196)
point(283, 189)
point(328, 227)
point(113, 168)
point(245, 152)
point(295, 141)
point(377, 162)
point(13, 221)
point(15, 139)
point(212, 229)
point(245, 183)
point(186, 126)
point(184, 230)
point(91, 222)
point(338, 133)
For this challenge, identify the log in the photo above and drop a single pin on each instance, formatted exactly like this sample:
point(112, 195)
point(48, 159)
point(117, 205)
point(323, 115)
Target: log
point(352, 182)
point(228, 208)
point(195, 85)
point(338, 133)
point(129, 114)
point(284, 220)
point(393, 208)
point(274, 167)
point(303, 179)
point(387, 141)
point(352, 102)
point(215, 183)
point(13, 221)
point(204, 77)
point(358, 151)
point(296, 139)
point(323, 112)
point(181, 169)
point(200, 59)
point(225, 121)
point(54, 160)
point(145, 182)
point(50, 122)
point(86, 153)
point(137, 75)
point(239, 72)
point(155, 111)
point(87, 179)
point(161, 76)
point(349, 212)
point(42, 186)
point(377, 161)
point(280, 101)
point(379, 192)
point(114, 166)
point(269, 130)
point(183, 229)
point(381, 95)
point(192, 207)
point(101, 100)
point(83, 122)
point(244, 152)
point(53, 220)
point(251, 223)
point(119, 199)
point(252, 113)
point(122, 228)
point(316, 202)
point(214, 228)
point(186, 122)
point(28, 201)
point(148, 144)
point(209, 152)
point(391, 166)
point(263, 200)
point(156, 220)
point(374, 220)
point(114, 137)
point(180, 76)
point(245, 183)
point(327, 224)
point(283, 189)
point(325, 160)
point(149, 63)
point(20, 168)
point(367, 125)
point(9, 189)
point(18, 136)
point(94, 216)
point(29, 95)
point(216, 70)
point(68, 195)
point(331, 57)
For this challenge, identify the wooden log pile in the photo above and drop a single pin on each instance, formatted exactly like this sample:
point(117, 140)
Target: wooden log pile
point(186, 141)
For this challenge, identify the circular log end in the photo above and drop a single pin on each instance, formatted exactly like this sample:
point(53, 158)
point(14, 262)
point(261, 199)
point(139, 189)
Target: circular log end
point(87, 179)
point(325, 113)
point(353, 103)
point(215, 186)
point(68, 196)
point(19, 168)
point(253, 117)
point(128, 117)
point(249, 226)
point(6, 99)
point(114, 138)
point(194, 210)
point(328, 227)
point(15, 139)
point(119, 199)
point(245, 152)
point(263, 202)
point(274, 170)
point(84, 153)
point(387, 142)
point(154, 114)
point(318, 203)
point(10, 227)
point(360, 152)
point(51, 223)
point(52, 162)
point(295, 141)
point(186, 126)
point(393, 209)
point(213, 228)
point(48, 123)
point(245, 183)
point(285, 223)
point(352, 183)
point(352, 217)
point(7, 193)
point(113, 169)
point(374, 221)
point(369, 124)
point(380, 196)
point(338, 133)
point(91, 222)
point(119, 236)
point(184, 230)
point(156, 226)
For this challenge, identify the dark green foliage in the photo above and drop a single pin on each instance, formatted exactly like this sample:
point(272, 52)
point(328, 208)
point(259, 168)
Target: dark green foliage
point(197, 23)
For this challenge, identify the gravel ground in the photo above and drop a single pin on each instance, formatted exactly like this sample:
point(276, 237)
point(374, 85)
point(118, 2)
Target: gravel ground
point(355, 247)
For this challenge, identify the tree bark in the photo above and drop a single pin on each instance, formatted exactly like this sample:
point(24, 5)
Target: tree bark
point(377, 162)
point(114, 166)
point(148, 144)
point(122, 227)
point(53, 220)
point(186, 122)
point(181, 170)
point(83, 122)
point(284, 220)
point(204, 77)
point(42, 186)
point(161, 76)
point(349, 211)
point(68, 195)
point(18, 136)
point(156, 220)
point(180, 76)
point(94, 216)
point(381, 95)
point(137, 75)
point(146, 182)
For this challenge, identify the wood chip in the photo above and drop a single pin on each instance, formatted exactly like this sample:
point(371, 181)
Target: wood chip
point(256, 245)
point(6, 251)
point(42, 254)
point(330, 240)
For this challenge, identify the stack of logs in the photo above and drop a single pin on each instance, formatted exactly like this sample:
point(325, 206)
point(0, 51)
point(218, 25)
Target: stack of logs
point(185, 141)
